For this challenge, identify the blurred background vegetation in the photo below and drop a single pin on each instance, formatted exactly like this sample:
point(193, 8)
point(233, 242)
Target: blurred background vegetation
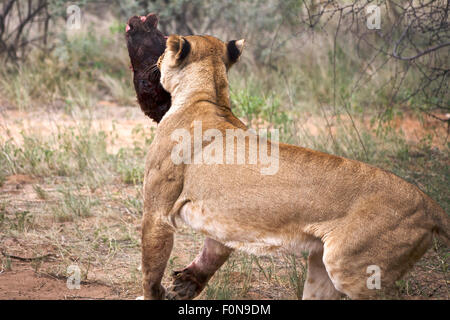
point(311, 68)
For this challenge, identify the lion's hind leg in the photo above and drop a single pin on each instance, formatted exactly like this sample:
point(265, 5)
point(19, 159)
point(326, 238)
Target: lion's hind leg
point(318, 285)
point(189, 282)
point(364, 263)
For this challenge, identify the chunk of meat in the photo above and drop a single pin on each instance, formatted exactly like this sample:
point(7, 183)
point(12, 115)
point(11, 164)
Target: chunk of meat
point(145, 45)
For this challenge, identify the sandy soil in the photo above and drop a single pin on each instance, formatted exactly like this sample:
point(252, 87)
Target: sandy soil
point(23, 283)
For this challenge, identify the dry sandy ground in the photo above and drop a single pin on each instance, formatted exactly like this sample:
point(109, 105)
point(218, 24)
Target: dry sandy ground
point(25, 284)
point(106, 117)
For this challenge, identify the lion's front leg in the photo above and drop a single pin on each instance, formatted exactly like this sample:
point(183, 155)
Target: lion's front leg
point(157, 243)
point(189, 282)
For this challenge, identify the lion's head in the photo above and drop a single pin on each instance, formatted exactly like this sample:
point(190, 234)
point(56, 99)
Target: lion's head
point(186, 58)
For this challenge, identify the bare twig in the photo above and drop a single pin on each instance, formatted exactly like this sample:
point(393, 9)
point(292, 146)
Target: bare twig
point(44, 257)
point(334, 59)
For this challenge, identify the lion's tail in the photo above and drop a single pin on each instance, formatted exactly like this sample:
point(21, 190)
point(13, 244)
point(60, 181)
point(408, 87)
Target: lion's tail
point(440, 218)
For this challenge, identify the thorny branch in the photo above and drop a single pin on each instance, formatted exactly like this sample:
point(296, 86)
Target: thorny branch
point(416, 33)
point(21, 24)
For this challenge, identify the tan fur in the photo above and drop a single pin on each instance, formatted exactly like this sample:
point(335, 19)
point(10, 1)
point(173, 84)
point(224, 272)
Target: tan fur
point(349, 215)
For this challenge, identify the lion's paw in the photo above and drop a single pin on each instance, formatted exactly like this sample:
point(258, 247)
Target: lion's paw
point(185, 286)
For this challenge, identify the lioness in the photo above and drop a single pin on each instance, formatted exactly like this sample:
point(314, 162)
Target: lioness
point(350, 216)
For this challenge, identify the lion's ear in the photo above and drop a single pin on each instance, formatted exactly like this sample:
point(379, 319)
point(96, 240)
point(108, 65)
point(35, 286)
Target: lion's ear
point(234, 49)
point(179, 46)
